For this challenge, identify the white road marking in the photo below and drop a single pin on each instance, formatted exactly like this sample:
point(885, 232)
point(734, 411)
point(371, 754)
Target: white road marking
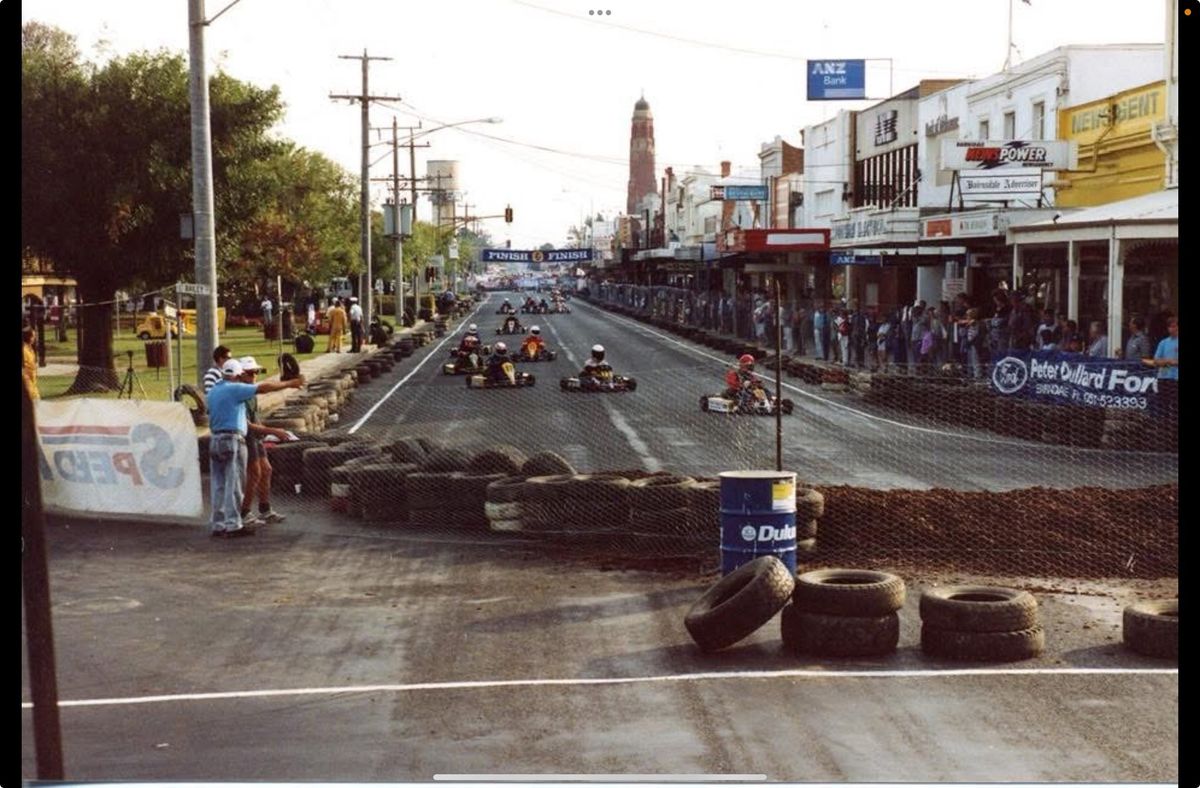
point(864, 414)
point(433, 686)
point(414, 371)
point(624, 427)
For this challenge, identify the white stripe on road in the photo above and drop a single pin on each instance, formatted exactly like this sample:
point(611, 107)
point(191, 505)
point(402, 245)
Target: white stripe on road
point(420, 364)
point(864, 414)
point(433, 686)
point(649, 462)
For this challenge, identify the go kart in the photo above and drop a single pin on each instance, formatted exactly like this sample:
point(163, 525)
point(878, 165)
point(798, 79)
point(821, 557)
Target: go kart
point(511, 379)
point(603, 380)
point(510, 327)
point(542, 354)
point(759, 404)
point(534, 309)
point(559, 308)
point(464, 363)
point(506, 309)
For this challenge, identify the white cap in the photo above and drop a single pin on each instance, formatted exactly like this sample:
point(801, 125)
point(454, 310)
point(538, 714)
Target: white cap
point(250, 365)
point(232, 368)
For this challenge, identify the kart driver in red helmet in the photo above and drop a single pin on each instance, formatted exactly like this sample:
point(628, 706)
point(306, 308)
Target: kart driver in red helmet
point(741, 379)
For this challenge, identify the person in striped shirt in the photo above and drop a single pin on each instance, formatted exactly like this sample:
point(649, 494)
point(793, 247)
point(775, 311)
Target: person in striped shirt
point(213, 376)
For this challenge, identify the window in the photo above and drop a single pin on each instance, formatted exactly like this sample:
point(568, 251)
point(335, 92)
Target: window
point(1039, 121)
point(983, 129)
point(1010, 125)
point(824, 205)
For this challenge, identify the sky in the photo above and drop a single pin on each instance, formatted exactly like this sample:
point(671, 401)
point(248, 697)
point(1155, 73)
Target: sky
point(721, 77)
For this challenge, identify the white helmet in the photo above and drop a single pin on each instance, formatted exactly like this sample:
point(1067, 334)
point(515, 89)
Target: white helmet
point(535, 330)
point(472, 329)
point(598, 352)
point(501, 348)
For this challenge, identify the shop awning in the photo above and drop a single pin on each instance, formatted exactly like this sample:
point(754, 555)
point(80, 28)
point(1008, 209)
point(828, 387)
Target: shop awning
point(1149, 216)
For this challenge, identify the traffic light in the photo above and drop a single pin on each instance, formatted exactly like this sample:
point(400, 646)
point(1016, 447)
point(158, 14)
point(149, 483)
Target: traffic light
point(508, 214)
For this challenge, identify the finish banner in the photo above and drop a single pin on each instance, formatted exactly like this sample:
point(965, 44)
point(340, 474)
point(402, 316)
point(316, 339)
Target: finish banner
point(119, 457)
point(536, 255)
point(1057, 378)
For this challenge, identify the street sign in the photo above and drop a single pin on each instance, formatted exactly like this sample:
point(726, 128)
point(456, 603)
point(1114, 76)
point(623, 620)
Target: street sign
point(169, 310)
point(186, 288)
point(738, 193)
point(834, 80)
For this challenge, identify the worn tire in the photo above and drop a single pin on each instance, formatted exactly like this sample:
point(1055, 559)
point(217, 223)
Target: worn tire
point(822, 635)
point(546, 463)
point(502, 511)
point(199, 408)
point(982, 646)
point(806, 530)
point(445, 461)
point(507, 526)
point(510, 489)
point(661, 493)
point(406, 450)
point(848, 592)
point(500, 459)
point(428, 490)
point(806, 546)
point(739, 603)
point(810, 504)
point(979, 609)
point(1152, 628)
point(547, 489)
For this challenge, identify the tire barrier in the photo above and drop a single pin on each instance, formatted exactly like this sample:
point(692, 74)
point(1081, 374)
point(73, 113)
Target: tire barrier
point(1152, 628)
point(980, 623)
point(843, 613)
point(739, 603)
point(378, 492)
point(320, 462)
point(546, 463)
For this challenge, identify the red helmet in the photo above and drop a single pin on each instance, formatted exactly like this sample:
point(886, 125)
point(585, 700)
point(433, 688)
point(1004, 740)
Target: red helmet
point(746, 358)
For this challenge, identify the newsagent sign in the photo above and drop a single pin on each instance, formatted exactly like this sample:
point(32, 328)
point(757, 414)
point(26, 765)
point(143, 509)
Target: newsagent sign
point(993, 154)
point(1057, 378)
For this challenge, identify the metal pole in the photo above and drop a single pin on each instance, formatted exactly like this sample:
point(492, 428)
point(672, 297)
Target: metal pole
point(412, 183)
point(202, 192)
point(167, 347)
point(279, 316)
point(178, 342)
point(35, 587)
point(778, 378)
point(1008, 52)
point(366, 189)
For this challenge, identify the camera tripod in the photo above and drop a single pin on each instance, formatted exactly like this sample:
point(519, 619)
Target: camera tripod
point(130, 379)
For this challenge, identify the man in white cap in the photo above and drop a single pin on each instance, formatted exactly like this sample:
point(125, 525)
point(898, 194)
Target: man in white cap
point(227, 447)
point(356, 326)
point(258, 467)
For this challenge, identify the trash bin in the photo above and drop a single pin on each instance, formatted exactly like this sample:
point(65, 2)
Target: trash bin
point(271, 330)
point(156, 354)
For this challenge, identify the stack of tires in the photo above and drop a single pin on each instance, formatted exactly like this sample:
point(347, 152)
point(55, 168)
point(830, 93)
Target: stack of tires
point(660, 516)
point(503, 504)
point(843, 613)
point(583, 509)
point(379, 491)
point(446, 494)
point(340, 478)
point(287, 463)
point(319, 463)
point(980, 623)
point(739, 603)
point(810, 508)
point(1152, 628)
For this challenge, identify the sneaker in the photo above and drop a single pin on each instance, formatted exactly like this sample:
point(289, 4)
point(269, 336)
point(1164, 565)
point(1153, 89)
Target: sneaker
point(245, 530)
point(252, 520)
point(272, 517)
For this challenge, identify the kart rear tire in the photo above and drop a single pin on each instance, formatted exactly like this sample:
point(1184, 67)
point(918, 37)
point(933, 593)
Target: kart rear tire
point(530, 380)
point(786, 406)
point(562, 384)
point(704, 404)
point(630, 384)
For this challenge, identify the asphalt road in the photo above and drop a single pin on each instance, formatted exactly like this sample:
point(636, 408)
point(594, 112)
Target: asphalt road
point(322, 649)
point(829, 439)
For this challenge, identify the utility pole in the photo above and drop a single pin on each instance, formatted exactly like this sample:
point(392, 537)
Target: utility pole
point(399, 241)
point(203, 219)
point(365, 100)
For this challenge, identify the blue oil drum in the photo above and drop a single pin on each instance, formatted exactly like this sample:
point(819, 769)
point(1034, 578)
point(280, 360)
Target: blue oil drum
point(758, 517)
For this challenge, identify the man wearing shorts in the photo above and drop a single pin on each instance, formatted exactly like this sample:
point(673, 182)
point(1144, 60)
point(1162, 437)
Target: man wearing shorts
point(258, 467)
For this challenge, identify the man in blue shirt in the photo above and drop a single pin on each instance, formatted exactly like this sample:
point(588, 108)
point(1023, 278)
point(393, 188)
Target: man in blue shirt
point(1166, 358)
point(227, 448)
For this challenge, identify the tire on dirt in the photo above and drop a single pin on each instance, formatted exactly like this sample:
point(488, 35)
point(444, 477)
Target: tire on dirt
point(979, 609)
point(739, 603)
point(1152, 628)
point(848, 592)
point(546, 463)
point(406, 450)
point(510, 489)
point(810, 504)
point(982, 646)
point(499, 459)
point(822, 635)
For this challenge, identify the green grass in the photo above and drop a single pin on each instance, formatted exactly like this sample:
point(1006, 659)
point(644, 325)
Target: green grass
point(243, 341)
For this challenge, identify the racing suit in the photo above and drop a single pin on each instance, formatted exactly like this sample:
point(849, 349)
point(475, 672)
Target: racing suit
point(495, 367)
point(511, 326)
point(532, 346)
point(468, 346)
point(593, 371)
point(739, 384)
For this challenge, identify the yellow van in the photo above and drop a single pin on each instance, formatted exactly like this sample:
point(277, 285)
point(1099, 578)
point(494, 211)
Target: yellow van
point(154, 326)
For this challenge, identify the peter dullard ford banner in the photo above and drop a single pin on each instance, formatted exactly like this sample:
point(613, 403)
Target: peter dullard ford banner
point(119, 457)
point(1057, 378)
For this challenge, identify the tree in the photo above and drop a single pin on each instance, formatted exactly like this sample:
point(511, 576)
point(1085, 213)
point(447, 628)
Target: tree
point(106, 173)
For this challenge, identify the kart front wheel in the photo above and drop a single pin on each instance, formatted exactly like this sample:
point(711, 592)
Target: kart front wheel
point(630, 384)
point(704, 404)
point(787, 405)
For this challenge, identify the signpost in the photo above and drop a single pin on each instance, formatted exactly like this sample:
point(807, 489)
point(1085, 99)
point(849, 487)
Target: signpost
point(181, 289)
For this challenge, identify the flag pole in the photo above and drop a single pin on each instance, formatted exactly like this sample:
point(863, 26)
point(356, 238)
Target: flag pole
point(1008, 52)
